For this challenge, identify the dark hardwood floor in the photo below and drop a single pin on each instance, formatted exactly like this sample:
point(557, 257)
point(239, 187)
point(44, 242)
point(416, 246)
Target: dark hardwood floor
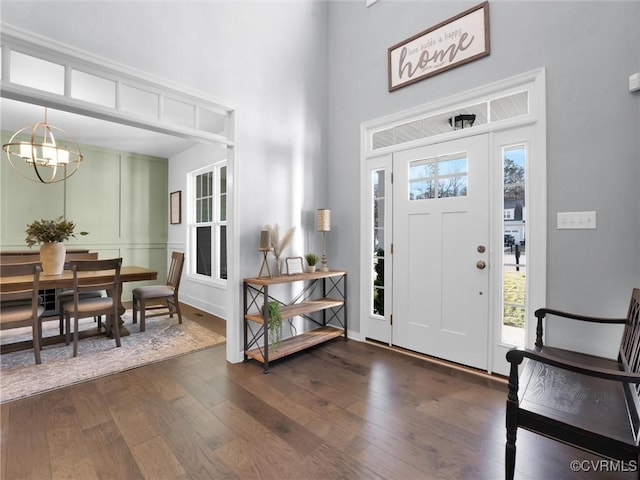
point(346, 410)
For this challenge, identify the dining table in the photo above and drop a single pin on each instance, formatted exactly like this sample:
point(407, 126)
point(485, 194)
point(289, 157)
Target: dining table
point(128, 273)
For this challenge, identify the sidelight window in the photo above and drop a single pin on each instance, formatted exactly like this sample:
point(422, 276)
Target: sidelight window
point(514, 265)
point(377, 263)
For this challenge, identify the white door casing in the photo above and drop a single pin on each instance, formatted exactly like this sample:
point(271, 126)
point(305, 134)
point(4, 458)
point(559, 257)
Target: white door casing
point(378, 145)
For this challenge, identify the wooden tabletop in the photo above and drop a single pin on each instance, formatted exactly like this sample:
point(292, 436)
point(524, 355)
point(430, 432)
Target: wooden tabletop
point(65, 279)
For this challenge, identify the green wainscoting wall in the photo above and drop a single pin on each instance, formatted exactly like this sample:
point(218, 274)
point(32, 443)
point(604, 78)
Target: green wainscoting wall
point(120, 198)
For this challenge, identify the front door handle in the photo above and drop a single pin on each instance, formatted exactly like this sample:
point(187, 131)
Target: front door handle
point(481, 265)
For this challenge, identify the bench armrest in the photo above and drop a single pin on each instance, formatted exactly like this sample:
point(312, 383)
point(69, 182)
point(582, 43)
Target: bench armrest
point(541, 313)
point(516, 355)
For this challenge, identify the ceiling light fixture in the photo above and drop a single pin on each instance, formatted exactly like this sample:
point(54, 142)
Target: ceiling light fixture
point(464, 120)
point(41, 159)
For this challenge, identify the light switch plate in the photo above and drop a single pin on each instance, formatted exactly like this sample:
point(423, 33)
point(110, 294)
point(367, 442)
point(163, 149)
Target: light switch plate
point(576, 220)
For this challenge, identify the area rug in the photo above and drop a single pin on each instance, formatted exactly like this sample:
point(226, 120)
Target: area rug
point(98, 356)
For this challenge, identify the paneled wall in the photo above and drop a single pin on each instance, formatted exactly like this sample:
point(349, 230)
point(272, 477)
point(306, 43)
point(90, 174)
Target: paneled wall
point(120, 198)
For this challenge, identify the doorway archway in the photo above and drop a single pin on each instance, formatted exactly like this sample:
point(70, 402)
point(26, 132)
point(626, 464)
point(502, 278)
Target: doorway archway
point(90, 86)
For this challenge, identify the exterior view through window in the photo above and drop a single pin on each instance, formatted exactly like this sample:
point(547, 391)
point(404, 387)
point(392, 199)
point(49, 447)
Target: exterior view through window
point(440, 177)
point(515, 245)
point(378, 177)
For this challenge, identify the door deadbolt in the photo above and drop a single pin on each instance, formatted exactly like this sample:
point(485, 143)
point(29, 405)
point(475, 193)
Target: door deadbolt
point(480, 264)
point(481, 248)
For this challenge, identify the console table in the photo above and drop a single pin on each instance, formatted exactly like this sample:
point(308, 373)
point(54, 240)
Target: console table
point(322, 292)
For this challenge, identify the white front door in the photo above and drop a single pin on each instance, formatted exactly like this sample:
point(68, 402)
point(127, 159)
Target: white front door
point(441, 250)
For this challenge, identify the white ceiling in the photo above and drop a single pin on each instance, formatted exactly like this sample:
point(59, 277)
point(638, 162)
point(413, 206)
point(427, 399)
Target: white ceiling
point(15, 115)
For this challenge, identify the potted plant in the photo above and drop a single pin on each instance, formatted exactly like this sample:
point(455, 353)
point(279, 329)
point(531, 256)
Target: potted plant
point(50, 234)
point(311, 259)
point(275, 324)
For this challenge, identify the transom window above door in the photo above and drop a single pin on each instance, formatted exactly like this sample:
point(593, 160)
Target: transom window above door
point(494, 108)
point(438, 177)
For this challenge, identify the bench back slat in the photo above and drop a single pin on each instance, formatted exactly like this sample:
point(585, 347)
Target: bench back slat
point(629, 358)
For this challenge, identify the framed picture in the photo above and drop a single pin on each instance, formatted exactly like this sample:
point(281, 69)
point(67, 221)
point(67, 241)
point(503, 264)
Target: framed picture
point(454, 42)
point(294, 265)
point(175, 207)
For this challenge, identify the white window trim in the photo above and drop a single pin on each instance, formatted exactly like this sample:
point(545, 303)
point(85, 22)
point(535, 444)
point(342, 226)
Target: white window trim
point(191, 267)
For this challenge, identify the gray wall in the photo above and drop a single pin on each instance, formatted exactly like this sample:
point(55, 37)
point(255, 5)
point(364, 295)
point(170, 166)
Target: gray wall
point(589, 49)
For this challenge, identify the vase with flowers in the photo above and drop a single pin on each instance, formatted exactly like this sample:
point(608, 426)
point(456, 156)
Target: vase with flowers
point(51, 234)
point(279, 244)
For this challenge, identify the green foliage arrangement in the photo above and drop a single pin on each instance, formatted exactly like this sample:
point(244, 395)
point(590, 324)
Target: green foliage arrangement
point(275, 325)
point(50, 231)
point(311, 258)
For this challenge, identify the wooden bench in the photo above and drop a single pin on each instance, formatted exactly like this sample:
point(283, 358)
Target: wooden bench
point(588, 402)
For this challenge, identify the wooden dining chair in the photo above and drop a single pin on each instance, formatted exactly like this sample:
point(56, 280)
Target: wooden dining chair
point(66, 295)
point(164, 297)
point(15, 308)
point(94, 306)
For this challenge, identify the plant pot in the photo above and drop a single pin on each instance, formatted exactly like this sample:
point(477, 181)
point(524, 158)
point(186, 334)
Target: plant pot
point(52, 258)
point(311, 268)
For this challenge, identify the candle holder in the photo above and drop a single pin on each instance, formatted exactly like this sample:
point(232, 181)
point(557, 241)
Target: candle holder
point(265, 248)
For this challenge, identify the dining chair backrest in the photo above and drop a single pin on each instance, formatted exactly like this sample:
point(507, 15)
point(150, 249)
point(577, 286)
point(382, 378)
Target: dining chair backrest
point(81, 256)
point(35, 257)
point(175, 269)
point(109, 281)
point(69, 257)
point(26, 258)
point(20, 302)
point(31, 272)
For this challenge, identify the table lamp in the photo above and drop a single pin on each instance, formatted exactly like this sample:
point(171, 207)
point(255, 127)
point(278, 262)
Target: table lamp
point(324, 225)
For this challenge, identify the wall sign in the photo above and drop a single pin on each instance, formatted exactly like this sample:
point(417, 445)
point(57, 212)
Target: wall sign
point(454, 42)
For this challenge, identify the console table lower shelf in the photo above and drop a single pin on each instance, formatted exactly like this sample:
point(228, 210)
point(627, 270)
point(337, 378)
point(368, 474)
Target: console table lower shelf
point(298, 343)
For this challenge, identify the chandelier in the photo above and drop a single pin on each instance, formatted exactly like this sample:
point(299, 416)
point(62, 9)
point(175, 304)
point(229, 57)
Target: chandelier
point(41, 159)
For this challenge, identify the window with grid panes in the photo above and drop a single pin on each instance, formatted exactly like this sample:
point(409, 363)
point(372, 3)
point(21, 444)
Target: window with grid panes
point(209, 229)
